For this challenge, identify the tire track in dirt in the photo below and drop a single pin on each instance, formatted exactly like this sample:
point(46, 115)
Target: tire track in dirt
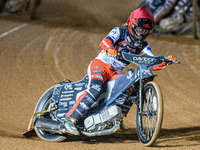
point(191, 64)
point(16, 85)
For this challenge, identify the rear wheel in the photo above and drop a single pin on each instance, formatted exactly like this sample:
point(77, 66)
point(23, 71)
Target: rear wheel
point(43, 104)
point(149, 120)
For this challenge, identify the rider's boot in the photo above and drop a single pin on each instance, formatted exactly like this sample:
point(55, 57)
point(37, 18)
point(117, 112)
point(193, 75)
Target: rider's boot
point(123, 127)
point(70, 126)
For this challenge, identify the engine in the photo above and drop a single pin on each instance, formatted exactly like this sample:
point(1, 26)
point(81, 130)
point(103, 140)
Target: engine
point(104, 119)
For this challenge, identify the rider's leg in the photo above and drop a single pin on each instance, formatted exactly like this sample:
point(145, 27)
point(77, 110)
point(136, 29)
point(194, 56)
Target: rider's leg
point(97, 76)
point(82, 105)
point(125, 109)
point(123, 127)
point(86, 100)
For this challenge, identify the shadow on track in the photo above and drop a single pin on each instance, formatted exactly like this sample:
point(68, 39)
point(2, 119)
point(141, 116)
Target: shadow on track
point(190, 134)
point(187, 134)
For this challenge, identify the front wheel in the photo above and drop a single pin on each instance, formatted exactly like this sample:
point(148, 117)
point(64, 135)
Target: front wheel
point(149, 117)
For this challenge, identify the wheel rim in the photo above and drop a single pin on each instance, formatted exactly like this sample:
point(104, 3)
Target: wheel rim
point(149, 114)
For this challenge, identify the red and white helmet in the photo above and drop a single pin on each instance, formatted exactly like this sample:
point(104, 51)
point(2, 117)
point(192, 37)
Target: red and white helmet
point(140, 24)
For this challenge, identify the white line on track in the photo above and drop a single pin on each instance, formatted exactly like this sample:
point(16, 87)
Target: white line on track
point(12, 30)
point(48, 43)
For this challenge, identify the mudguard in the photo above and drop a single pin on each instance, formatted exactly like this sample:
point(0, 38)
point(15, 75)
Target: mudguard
point(65, 96)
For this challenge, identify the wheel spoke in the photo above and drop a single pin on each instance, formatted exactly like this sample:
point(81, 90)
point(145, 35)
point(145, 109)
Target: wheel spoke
point(149, 120)
point(148, 115)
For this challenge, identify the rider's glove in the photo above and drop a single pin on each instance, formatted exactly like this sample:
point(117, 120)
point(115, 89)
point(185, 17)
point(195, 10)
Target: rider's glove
point(171, 58)
point(112, 52)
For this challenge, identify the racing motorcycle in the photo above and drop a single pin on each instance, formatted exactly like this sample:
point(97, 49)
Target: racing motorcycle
point(15, 6)
point(104, 118)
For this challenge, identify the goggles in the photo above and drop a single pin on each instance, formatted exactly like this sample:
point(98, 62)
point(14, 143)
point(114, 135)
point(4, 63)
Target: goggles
point(142, 31)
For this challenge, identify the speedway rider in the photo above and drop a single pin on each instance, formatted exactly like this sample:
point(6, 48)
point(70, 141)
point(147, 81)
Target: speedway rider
point(108, 64)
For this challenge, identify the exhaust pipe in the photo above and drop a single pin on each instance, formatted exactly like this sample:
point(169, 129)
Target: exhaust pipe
point(49, 125)
point(103, 132)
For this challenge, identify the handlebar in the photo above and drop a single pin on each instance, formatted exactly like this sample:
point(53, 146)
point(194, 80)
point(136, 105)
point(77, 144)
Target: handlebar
point(124, 49)
point(145, 59)
point(171, 61)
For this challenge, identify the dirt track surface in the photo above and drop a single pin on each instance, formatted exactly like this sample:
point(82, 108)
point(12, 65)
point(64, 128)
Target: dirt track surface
point(35, 55)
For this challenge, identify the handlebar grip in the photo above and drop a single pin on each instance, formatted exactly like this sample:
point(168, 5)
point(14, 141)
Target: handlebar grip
point(172, 61)
point(177, 62)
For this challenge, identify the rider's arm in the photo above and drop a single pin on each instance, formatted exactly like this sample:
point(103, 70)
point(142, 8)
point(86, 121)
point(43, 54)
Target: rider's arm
point(164, 63)
point(108, 42)
point(160, 66)
point(147, 50)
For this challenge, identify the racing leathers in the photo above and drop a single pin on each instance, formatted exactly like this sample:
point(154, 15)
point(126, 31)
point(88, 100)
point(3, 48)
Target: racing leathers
point(104, 67)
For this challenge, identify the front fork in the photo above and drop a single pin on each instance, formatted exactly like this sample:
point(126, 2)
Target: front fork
point(142, 82)
point(140, 90)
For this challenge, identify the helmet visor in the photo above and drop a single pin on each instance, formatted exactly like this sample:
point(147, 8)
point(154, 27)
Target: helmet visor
point(142, 31)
